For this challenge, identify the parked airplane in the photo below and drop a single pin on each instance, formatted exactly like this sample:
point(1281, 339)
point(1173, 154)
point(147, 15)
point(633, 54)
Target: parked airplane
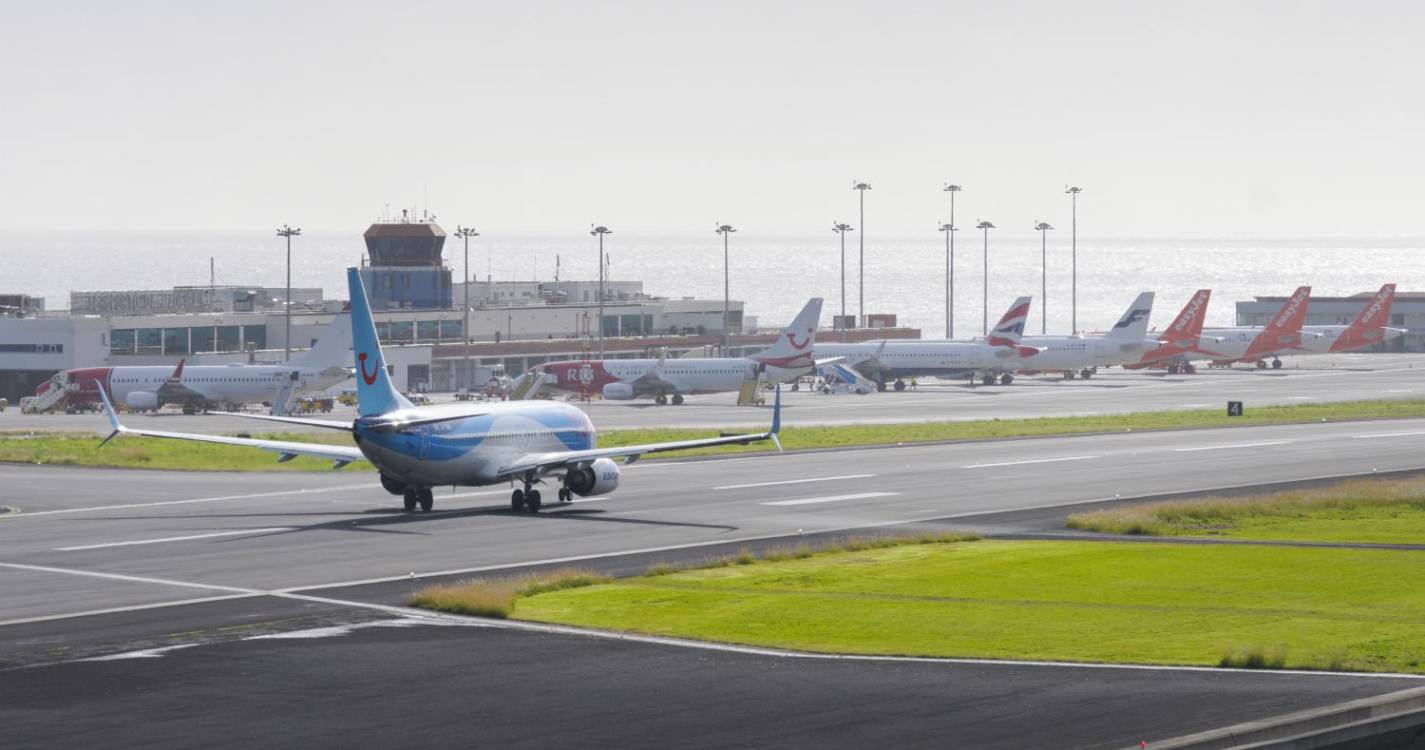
point(198, 387)
point(998, 354)
point(1282, 334)
point(1369, 327)
point(460, 443)
point(788, 358)
point(1180, 339)
point(1085, 353)
point(1180, 343)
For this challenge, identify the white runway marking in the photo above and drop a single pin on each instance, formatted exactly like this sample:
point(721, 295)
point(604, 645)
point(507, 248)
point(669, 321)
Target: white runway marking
point(1029, 461)
point(793, 481)
point(256, 495)
point(136, 542)
point(130, 579)
point(1377, 435)
point(1235, 445)
point(831, 498)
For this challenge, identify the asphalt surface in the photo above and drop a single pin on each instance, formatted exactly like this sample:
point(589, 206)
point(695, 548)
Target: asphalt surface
point(97, 563)
point(1114, 391)
point(482, 687)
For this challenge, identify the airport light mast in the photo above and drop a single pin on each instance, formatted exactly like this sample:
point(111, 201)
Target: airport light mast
point(986, 226)
point(950, 264)
point(1043, 227)
point(1074, 262)
point(599, 232)
point(861, 274)
point(725, 230)
point(842, 229)
point(465, 233)
point(949, 230)
point(289, 233)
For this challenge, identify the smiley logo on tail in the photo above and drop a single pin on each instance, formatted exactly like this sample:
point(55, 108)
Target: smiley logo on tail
point(370, 378)
point(792, 339)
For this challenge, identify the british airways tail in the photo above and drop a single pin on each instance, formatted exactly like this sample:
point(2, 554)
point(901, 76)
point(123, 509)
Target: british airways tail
point(793, 347)
point(1010, 328)
point(375, 393)
point(1133, 326)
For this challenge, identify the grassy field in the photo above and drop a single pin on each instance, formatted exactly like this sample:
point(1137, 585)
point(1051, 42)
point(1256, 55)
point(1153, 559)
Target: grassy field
point(153, 453)
point(1079, 601)
point(67, 448)
point(1383, 511)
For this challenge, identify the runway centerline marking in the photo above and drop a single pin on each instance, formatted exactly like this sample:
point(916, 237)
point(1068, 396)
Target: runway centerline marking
point(831, 498)
point(1029, 461)
point(793, 481)
point(1377, 435)
point(190, 537)
point(157, 503)
point(1234, 445)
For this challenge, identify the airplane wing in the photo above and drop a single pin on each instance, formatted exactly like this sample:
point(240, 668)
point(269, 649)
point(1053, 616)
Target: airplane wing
point(323, 423)
point(339, 455)
point(544, 462)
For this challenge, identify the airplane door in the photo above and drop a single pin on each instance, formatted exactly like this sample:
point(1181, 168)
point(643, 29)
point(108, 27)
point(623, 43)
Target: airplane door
point(425, 442)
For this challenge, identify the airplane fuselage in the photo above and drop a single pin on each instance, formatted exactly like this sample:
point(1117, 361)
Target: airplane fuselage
point(211, 384)
point(470, 451)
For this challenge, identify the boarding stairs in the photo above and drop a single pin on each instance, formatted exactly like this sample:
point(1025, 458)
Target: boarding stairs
point(750, 392)
point(50, 399)
point(283, 398)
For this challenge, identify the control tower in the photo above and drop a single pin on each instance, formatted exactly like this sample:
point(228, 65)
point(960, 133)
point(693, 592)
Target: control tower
point(405, 269)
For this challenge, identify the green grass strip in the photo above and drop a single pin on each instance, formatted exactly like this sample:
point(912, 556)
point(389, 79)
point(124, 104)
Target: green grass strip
point(1378, 511)
point(79, 450)
point(1208, 605)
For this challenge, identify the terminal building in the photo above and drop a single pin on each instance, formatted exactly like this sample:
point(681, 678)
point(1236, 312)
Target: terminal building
point(419, 316)
point(1408, 312)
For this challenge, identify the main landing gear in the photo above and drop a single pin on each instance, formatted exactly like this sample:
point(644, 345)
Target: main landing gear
point(1006, 379)
point(529, 499)
point(988, 379)
point(418, 496)
point(662, 399)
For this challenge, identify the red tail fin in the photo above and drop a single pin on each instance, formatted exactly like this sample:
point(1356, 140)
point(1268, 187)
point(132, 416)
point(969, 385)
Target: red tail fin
point(1188, 325)
point(1185, 332)
point(177, 372)
point(1283, 331)
point(1368, 326)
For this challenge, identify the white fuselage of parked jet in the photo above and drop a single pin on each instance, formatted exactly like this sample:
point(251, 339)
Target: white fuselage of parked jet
point(1083, 352)
point(219, 384)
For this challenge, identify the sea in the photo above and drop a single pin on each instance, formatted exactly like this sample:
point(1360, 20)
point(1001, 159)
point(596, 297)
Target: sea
point(774, 276)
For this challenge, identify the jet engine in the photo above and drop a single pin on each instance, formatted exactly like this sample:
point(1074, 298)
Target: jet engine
point(618, 391)
point(598, 478)
point(142, 401)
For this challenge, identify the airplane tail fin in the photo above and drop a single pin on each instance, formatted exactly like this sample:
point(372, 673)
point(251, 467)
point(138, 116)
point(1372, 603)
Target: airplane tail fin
point(1010, 328)
point(375, 394)
point(793, 348)
point(1133, 326)
point(1369, 326)
point(177, 376)
point(1187, 327)
point(333, 349)
point(1283, 331)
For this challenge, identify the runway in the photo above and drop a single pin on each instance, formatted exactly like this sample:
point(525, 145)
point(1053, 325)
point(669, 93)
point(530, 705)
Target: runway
point(94, 562)
point(1323, 379)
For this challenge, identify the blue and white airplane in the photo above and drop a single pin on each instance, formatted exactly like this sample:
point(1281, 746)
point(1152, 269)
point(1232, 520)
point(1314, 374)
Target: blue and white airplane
point(417, 448)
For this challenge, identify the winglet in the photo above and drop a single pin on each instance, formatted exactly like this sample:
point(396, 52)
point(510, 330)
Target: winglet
point(111, 413)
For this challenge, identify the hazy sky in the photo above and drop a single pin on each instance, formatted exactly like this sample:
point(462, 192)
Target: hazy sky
point(1258, 118)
